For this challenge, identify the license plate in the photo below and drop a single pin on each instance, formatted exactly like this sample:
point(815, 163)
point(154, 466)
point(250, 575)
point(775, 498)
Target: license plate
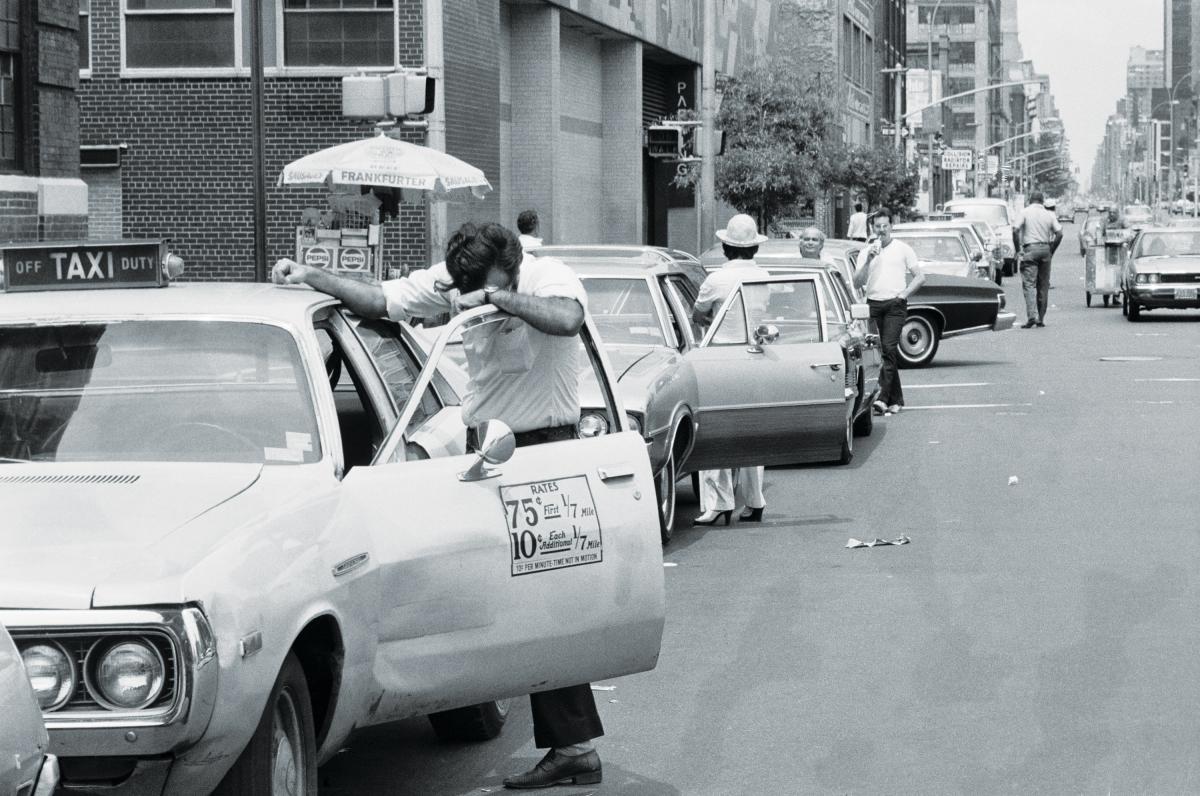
point(1185, 293)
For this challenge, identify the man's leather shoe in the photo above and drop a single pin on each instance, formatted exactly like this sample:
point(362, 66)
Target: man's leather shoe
point(1040, 325)
point(1029, 324)
point(557, 769)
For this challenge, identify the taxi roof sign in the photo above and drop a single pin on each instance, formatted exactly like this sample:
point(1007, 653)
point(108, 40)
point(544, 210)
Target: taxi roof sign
point(81, 265)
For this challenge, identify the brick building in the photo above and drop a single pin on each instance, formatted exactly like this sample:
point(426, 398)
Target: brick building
point(41, 195)
point(550, 99)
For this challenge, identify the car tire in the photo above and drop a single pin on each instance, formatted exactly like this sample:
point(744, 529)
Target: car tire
point(1088, 298)
point(664, 492)
point(847, 453)
point(919, 340)
point(481, 722)
point(864, 424)
point(284, 745)
point(1135, 311)
point(1125, 304)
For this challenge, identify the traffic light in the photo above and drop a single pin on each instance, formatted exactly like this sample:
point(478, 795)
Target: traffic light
point(1031, 108)
point(410, 94)
point(664, 141)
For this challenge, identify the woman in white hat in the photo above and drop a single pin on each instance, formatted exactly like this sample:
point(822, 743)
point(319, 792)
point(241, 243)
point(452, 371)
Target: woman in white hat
point(740, 241)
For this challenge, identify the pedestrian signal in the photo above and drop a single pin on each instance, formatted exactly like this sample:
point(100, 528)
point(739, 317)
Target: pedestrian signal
point(664, 141)
point(410, 94)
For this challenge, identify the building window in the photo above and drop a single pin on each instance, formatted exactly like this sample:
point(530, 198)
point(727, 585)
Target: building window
point(179, 34)
point(848, 48)
point(338, 33)
point(10, 71)
point(85, 34)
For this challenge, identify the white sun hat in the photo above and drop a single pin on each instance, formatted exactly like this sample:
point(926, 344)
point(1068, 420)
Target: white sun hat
point(741, 231)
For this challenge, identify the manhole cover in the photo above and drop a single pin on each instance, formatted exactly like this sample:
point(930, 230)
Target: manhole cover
point(1130, 359)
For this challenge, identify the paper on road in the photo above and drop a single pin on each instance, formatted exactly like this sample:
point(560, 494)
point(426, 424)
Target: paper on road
point(878, 542)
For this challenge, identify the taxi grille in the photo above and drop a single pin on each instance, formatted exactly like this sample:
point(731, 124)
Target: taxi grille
point(1184, 278)
point(69, 479)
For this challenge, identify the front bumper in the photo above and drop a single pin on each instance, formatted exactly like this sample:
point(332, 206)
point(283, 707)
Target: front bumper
point(1004, 320)
point(1167, 295)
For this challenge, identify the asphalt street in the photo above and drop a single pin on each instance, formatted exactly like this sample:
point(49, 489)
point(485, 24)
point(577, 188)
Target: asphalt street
point(1038, 635)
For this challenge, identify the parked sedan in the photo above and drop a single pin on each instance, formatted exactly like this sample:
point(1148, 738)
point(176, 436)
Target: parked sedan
point(1162, 271)
point(945, 306)
point(977, 235)
point(643, 313)
point(25, 767)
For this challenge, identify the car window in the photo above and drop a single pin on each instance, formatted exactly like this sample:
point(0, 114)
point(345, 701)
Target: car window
point(732, 326)
point(939, 249)
point(685, 296)
point(399, 368)
point(996, 215)
point(624, 311)
point(191, 391)
point(1172, 244)
point(791, 307)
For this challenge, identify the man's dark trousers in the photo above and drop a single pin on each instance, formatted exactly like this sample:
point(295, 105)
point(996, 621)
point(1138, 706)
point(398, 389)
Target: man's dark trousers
point(888, 317)
point(1035, 279)
point(563, 716)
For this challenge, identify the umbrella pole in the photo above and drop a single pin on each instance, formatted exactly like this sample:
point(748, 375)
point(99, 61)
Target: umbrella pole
point(256, 144)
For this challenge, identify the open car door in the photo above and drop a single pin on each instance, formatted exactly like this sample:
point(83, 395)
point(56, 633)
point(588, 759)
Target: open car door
point(535, 571)
point(771, 384)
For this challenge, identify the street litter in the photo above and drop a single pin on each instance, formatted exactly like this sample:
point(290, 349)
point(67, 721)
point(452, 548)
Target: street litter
point(878, 542)
point(670, 564)
point(1013, 480)
point(604, 688)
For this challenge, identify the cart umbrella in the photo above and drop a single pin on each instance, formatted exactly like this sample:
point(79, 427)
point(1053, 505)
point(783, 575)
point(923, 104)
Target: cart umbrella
point(384, 162)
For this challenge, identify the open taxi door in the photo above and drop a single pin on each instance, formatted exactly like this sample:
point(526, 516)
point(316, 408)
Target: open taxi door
point(771, 384)
point(522, 570)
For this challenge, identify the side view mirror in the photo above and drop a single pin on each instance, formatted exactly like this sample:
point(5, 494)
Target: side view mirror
point(495, 445)
point(860, 312)
point(976, 256)
point(766, 333)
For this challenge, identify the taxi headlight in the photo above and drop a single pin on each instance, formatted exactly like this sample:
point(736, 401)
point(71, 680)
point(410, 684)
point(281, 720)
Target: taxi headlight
point(1148, 279)
point(592, 425)
point(634, 423)
point(51, 673)
point(128, 675)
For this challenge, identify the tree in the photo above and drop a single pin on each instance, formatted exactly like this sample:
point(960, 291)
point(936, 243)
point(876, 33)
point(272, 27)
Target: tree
point(878, 174)
point(774, 122)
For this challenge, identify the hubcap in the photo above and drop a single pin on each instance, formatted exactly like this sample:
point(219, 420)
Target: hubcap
point(287, 749)
point(914, 339)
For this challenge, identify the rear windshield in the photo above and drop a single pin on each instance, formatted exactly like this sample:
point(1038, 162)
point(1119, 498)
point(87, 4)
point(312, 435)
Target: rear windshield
point(996, 215)
point(939, 249)
point(188, 391)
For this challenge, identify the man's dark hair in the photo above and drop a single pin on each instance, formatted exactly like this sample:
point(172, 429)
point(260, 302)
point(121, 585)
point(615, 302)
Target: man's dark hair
point(881, 213)
point(527, 222)
point(1037, 198)
point(739, 252)
point(858, 207)
point(472, 251)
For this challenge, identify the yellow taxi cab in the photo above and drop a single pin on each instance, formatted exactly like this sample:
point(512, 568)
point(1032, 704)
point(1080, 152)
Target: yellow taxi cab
point(240, 523)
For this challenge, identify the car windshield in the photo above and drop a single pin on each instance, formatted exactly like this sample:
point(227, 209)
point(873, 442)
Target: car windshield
point(1138, 211)
point(1168, 244)
point(624, 311)
point(185, 391)
point(996, 215)
point(936, 249)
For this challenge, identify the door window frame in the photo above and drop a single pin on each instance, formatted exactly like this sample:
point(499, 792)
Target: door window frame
point(822, 322)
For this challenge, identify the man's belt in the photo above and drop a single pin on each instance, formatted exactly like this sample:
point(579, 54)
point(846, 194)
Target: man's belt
point(535, 436)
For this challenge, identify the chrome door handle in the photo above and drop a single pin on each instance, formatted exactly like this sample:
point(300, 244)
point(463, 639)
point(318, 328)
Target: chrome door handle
point(614, 471)
point(830, 365)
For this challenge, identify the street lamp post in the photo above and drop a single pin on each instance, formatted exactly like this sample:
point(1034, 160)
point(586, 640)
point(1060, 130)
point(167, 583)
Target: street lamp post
point(1171, 162)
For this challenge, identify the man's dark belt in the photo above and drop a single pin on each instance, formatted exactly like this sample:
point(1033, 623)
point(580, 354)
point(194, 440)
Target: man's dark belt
point(535, 436)
point(1033, 243)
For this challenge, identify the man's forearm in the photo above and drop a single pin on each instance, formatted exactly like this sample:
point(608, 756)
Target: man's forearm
point(361, 298)
point(913, 286)
point(552, 315)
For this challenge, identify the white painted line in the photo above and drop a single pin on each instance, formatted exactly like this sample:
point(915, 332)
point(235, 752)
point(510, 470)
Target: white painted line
point(1167, 379)
point(936, 386)
point(1155, 403)
point(961, 406)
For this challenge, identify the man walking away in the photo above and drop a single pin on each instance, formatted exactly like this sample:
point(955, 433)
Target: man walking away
point(857, 229)
point(527, 225)
point(890, 274)
point(1038, 234)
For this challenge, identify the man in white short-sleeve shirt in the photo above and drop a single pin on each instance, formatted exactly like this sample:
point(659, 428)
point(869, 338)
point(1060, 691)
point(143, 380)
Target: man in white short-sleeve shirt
point(525, 372)
point(1039, 233)
point(890, 274)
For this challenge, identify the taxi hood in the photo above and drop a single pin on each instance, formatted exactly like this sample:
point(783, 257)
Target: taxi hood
point(1168, 264)
point(68, 527)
